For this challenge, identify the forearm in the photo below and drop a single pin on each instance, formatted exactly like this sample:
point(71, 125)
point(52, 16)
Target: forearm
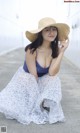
point(34, 72)
point(36, 76)
point(54, 68)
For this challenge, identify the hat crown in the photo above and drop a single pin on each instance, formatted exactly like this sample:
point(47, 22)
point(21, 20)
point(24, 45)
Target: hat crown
point(46, 22)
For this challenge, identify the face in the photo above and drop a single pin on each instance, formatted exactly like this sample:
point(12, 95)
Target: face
point(49, 33)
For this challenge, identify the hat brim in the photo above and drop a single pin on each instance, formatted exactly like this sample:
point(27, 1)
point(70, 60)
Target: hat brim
point(63, 32)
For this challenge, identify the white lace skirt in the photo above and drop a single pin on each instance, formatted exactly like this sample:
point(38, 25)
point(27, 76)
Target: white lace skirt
point(22, 99)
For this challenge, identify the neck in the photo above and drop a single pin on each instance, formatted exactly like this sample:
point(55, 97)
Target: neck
point(46, 45)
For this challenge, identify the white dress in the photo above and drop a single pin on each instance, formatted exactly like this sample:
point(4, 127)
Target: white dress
point(22, 98)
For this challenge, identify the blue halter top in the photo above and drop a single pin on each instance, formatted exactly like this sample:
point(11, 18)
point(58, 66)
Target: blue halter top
point(40, 70)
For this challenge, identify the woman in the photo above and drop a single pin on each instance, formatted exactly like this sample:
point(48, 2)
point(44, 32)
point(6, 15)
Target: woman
point(34, 92)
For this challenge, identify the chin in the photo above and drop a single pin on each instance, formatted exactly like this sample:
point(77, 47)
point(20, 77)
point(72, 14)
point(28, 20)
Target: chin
point(51, 40)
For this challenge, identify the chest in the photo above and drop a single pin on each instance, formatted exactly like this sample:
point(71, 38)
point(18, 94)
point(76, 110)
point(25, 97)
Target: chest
point(44, 59)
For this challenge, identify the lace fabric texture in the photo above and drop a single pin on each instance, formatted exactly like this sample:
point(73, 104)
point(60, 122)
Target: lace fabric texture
point(22, 99)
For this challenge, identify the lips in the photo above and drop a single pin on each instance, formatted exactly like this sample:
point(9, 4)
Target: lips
point(51, 36)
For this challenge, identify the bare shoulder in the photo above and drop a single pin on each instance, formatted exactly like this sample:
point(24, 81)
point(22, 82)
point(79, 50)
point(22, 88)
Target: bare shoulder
point(29, 54)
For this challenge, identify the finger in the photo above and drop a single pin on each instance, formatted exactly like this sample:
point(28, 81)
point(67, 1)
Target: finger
point(67, 40)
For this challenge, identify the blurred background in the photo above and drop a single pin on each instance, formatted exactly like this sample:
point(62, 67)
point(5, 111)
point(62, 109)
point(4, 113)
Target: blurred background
point(17, 16)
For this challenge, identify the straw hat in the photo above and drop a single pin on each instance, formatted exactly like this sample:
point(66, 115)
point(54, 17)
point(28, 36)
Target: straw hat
point(63, 29)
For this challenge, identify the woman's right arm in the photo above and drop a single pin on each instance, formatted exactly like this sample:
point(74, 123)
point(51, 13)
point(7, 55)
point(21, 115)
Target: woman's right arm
point(31, 63)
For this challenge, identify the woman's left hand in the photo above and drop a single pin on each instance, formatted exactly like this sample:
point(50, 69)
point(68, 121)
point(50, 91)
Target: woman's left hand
point(63, 45)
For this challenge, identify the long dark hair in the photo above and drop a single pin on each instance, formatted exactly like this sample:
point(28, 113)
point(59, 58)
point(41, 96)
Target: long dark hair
point(38, 42)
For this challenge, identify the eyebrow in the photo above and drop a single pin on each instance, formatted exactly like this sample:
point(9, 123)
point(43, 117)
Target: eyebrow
point(50, 27)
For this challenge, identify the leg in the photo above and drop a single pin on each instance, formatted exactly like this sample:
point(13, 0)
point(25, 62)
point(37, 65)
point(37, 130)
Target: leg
point(50, 88)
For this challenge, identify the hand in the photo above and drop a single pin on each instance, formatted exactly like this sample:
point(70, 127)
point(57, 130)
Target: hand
point(63, 45)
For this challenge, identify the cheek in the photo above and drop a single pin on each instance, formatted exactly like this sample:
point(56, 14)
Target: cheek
point(44, 35)
point(55, 33)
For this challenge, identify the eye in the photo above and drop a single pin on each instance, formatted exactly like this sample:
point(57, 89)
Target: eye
point(47, 29)
point(54, 29)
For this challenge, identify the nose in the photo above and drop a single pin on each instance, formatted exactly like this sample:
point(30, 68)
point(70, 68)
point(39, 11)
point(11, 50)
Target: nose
point(52, 31)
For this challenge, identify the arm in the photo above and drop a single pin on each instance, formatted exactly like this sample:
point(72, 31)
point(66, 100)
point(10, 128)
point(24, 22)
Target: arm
point(31, 63)
point(55, 64)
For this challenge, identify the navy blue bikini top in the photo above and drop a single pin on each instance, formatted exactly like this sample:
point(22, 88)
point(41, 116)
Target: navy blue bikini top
point(40, 70)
